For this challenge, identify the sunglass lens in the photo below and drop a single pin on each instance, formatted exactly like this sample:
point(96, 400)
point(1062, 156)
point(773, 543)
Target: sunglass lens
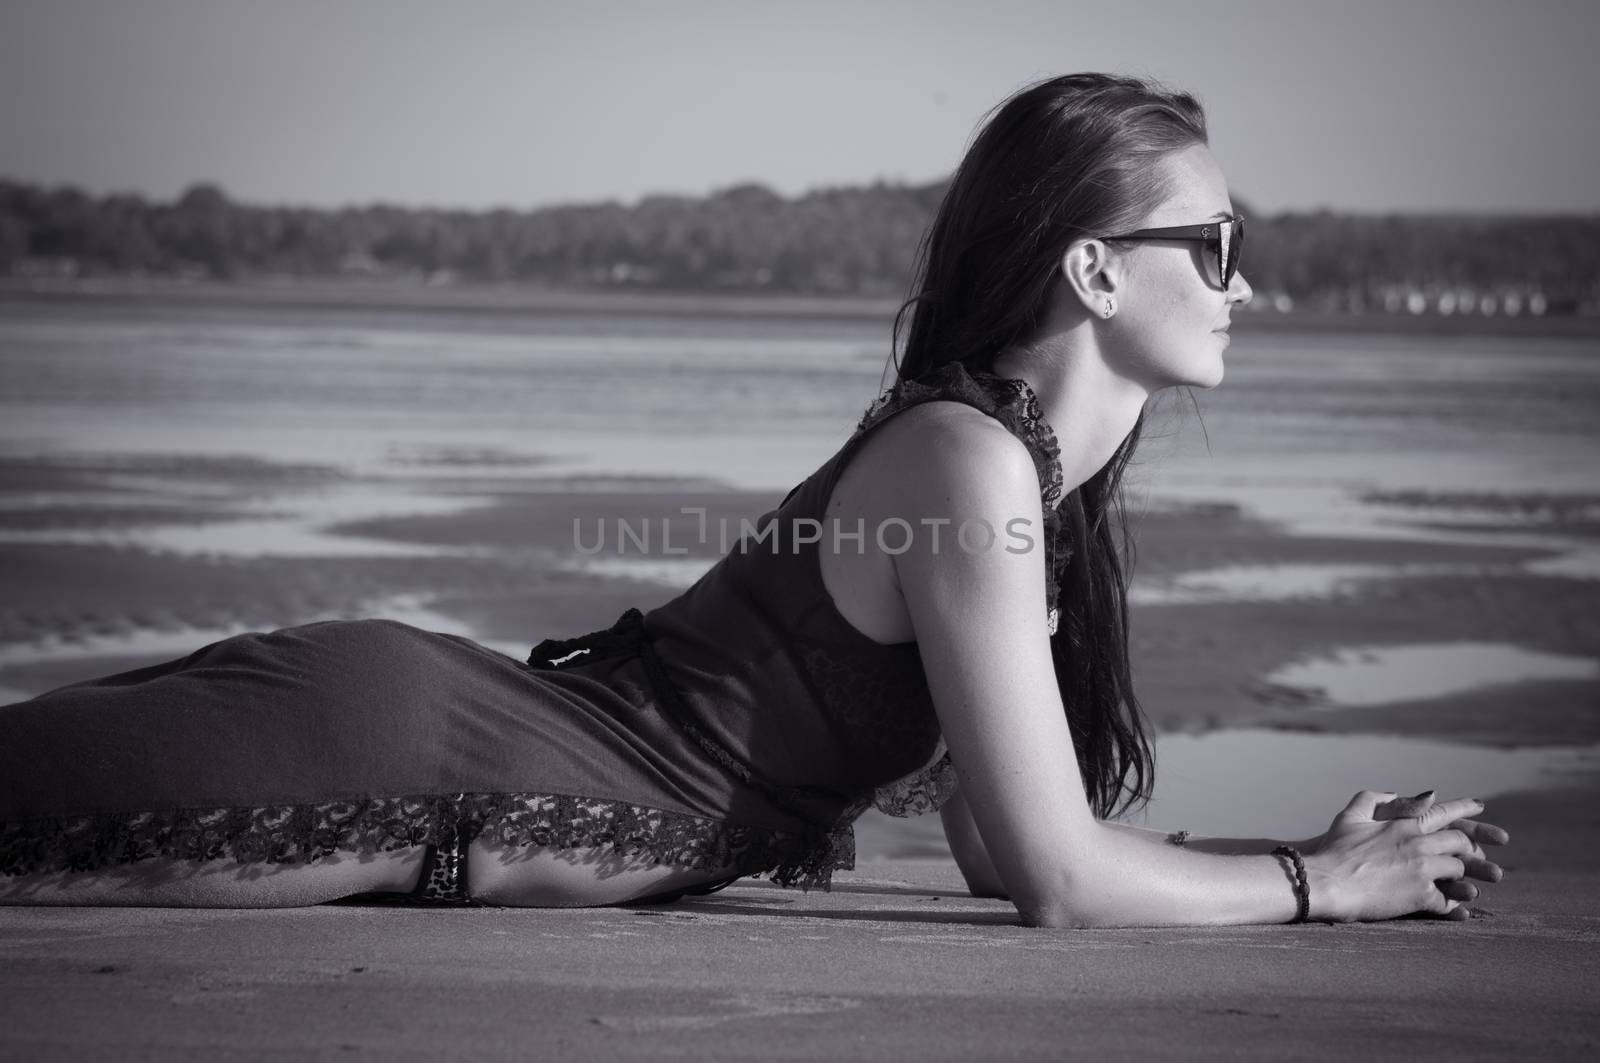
point(1224, 247)
point(1231, 248)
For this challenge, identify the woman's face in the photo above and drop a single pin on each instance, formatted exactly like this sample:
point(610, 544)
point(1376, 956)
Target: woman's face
point(1170, 326)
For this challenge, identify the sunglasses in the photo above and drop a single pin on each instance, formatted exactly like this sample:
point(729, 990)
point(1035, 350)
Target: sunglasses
point(1224, 237)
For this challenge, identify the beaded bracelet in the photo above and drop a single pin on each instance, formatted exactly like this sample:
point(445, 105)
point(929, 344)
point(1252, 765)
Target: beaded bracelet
point(1302, 888)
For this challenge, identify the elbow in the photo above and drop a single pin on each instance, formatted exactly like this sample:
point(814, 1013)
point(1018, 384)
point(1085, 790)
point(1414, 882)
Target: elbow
point(1053, 913)
point(1066, 917)
point(1059, 918)
point(1072, 903)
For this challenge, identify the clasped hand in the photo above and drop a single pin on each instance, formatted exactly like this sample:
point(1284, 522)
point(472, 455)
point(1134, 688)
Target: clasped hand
point(1387, 856)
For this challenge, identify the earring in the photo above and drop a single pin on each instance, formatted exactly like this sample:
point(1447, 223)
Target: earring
point(1111, 307)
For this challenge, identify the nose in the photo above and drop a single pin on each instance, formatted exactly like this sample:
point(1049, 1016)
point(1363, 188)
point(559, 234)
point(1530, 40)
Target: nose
point(1239, 290)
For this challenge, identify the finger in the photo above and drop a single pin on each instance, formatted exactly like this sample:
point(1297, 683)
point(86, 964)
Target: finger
point(1479, 865)
point(1448, 812)
point(1404, 807)
point(1458, 890)
point(1365, 803)
point(1449, 840)
point(1444, 867)
point(1482, 833)
point(1457, 914)
point(1437, 903)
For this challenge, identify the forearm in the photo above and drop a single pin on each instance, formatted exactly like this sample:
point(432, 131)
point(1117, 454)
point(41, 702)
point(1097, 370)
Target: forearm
point(984, 881)
point(1219, 846)
point(971, 856)
point(1127, 881)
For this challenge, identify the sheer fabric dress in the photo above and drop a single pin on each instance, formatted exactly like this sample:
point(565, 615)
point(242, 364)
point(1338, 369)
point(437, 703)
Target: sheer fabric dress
point(744, 724)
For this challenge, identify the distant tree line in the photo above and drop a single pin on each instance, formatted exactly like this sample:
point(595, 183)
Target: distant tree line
point(854, 240)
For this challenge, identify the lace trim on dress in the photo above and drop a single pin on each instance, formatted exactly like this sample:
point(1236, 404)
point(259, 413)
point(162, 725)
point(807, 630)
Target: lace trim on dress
point(277, 834)
point(919, 793)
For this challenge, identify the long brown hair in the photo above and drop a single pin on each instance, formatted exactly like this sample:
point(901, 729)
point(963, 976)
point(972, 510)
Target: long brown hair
point(1061, 160)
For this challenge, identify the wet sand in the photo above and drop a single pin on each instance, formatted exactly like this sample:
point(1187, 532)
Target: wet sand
point(501, 563)
point(897, 962)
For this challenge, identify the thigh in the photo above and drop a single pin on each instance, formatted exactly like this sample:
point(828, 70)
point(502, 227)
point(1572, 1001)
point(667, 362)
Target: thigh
point(163, 883)
point(545, 877)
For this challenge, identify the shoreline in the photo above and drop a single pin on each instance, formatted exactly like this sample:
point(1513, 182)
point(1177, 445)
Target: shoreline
point(509, 300)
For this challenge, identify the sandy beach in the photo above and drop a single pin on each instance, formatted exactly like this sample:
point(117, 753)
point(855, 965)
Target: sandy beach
point(895, 963)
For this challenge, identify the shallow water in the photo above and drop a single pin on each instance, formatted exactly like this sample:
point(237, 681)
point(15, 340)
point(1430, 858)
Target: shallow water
point(675, 573)
point(639, 393)
point(284, 523)
point(1382, 675)
point(1251, 783)
point(1290, 784)
point(151, 645)
point(1302, 427)
point(1285, 582)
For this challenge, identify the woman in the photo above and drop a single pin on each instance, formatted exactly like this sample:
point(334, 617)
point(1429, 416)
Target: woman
point(841, 656)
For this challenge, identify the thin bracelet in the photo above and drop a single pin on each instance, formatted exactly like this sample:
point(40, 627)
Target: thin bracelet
point(1302, 888)
point(1179, 838)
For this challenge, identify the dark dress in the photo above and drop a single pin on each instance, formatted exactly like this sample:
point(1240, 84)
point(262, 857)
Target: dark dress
point(743, 724)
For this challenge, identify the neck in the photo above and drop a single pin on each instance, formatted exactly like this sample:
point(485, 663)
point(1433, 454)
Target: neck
point(1090, 408)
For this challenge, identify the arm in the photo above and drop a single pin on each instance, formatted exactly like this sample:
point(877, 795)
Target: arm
point(979, 619)
point(966, 845)
point(1220, 846)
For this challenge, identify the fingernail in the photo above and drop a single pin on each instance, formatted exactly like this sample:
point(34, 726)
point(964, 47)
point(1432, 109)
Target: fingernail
point(1423, 796)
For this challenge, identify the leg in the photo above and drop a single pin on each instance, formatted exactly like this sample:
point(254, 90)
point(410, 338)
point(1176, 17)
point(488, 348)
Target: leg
point(542, 877)
point(218, 883)
point(256, 713)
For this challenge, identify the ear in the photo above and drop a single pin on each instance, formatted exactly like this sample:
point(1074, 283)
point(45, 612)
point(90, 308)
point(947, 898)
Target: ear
point(1091, 272)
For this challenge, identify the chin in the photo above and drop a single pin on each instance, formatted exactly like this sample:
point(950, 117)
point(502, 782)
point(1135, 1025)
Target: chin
point(1197, 369)
point(1214, 377)
point(1204, 381)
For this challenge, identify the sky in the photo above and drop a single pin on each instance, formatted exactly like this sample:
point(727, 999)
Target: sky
point(1400, 105)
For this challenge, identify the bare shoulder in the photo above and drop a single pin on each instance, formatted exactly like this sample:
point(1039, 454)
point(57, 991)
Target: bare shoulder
point(941, 462)
point(967, 474)
point(944, 446)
